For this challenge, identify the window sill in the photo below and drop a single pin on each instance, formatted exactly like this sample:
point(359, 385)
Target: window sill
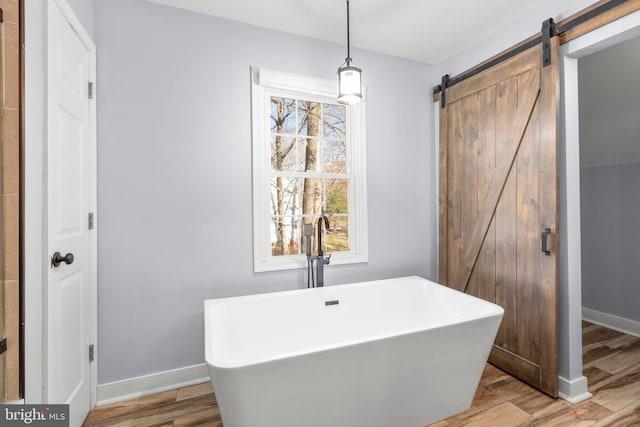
point(300, 262)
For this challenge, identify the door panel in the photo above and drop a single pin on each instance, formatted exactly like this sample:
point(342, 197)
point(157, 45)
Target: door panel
point(68, 292)
point(498, 136)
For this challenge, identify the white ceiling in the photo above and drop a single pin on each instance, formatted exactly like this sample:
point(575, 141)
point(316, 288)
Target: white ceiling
point(427, 31)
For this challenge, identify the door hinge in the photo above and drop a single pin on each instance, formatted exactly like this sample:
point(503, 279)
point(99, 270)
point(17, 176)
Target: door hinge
point(90, 220)
point(91, 90)
point(3, 344)
point(91, 353)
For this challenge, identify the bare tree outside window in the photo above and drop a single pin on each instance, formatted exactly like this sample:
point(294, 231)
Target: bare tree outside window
point(309, 170)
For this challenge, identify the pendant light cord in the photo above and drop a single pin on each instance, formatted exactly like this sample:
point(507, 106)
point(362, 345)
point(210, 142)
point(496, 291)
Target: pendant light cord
point(348, 38)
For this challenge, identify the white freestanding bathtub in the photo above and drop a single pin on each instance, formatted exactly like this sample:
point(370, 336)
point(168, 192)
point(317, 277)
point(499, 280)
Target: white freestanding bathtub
point(391, 353)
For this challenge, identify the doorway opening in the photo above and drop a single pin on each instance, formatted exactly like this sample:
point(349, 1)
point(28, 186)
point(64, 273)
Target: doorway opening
point(610, 185)
point(609, 104)
point(575, 55)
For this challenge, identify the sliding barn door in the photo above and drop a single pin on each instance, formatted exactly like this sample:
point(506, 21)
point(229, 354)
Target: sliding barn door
point(498, 206)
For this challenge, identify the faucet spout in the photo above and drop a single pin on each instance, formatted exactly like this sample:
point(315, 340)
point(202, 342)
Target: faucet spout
point(323, 220)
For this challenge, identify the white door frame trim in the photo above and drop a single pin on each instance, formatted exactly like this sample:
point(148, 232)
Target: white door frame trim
point(35, 196)
point(609, 35)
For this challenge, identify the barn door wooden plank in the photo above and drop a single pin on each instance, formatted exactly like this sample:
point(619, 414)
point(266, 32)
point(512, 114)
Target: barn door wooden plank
point(527, 168)
point(549, 119)
point(443, 195)
point(486, 154)
point(506, 267)
point(506, 220)
point(454, 183)
point(469, 199)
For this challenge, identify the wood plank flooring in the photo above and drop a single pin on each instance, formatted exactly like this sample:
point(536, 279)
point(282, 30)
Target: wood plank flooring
point(611, 363)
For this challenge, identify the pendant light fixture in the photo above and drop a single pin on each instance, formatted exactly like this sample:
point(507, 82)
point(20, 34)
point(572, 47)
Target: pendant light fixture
point(349, 76)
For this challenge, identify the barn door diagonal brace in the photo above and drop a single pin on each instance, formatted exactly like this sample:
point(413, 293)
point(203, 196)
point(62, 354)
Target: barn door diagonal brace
point(548, 31)
point(504, 165)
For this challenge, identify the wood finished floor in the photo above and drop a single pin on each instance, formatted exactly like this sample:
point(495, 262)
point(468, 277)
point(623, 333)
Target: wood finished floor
point(611, 363)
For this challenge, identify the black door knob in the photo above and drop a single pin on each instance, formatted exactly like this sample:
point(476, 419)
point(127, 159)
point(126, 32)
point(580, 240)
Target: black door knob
point(58, 259)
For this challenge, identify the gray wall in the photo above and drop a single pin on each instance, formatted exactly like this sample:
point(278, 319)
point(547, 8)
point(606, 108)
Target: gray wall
point(610, 208)
point(174, 174)
point(84, 11)
point(610, 105)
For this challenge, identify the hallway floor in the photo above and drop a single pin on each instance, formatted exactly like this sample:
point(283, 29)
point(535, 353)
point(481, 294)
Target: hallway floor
point(611, 363)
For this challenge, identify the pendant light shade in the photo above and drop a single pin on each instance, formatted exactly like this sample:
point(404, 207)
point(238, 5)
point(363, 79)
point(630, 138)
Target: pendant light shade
point(349, 83)
point(349, 76)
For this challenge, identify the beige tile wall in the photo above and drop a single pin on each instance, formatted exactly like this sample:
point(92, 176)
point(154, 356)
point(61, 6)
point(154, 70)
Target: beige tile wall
point(9, 221)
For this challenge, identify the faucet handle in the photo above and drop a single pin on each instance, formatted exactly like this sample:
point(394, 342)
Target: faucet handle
point(307, 230)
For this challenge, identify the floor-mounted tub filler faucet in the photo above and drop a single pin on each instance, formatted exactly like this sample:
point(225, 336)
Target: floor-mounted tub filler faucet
point(319, 259)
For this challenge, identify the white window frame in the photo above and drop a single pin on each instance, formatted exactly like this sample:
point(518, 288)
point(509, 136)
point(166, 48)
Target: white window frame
point(264, 84)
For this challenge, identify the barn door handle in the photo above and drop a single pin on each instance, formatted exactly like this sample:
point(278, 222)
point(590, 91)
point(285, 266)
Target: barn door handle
point(58, 259)
point(544, 237)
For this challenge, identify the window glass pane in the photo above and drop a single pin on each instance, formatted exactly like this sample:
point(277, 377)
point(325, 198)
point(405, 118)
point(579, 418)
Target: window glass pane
point(309, 151)
point(334, 156)
point(338, 237)
point(285, 235)
point(334, 121)
point(302, 117)
point(274, 113)
point(309, 118)
point(311, 161)
point(283, 115)
point(312, 196)
point(285, 196)
point(337, 196)
point(283, 153)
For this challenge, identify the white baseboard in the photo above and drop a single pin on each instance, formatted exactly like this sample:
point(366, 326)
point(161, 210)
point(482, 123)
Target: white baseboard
point(14, 402)
point(620, 324)
point(118, 391)
point(574, 391)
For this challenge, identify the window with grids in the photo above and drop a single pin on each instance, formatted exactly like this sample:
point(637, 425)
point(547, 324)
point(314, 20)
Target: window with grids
point(305, 146)
point(309, 175)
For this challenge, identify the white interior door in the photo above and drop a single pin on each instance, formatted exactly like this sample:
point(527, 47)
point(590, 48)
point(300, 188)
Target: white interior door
point(69, 293)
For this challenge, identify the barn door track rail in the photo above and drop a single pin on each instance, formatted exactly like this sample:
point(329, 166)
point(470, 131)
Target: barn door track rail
point(549, 29)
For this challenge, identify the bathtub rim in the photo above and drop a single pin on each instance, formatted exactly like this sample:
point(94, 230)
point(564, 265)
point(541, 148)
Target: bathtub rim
point(215, 363)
